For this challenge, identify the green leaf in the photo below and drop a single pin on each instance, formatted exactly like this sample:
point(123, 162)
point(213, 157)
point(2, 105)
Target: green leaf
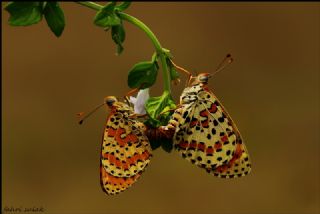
point(123, 6)
point(44, 4)
point(166, 112)
point(55, 17)
point(155, 143)
point(167, 52)
point(150, 122)
point(106, 17)
point(167, 145)
point(24, 13)
point(158, 109)
point(118, 35)
point(143, 74)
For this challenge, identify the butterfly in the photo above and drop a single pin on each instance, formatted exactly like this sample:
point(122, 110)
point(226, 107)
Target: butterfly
point(125, 149)
point(205, 134)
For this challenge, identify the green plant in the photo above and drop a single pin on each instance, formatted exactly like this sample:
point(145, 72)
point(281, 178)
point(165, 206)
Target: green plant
point(110, 17)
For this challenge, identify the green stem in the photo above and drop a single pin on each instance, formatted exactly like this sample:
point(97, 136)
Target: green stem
point(90, 4)
point(150, 34)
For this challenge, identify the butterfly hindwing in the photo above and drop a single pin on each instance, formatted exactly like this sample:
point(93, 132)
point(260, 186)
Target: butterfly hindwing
point(113, 185)
point(238, 166)
point(205, 133)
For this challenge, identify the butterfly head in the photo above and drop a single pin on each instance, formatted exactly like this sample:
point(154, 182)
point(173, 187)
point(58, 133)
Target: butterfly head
point(110, 101)
point(115, 105)
point(203, 78)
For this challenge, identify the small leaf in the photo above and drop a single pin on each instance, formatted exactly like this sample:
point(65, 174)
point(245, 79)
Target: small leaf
point(106, 16)
point(155, 143)
point(150, 122)
point(44, 4)
point(55, 18)
point(158, 109)
point(143, 74)
point(118, 35)
point(167, 52)
point(155, 105)
point(24, 13)
point(167, 145)
point(164, 116)
point(123, 6)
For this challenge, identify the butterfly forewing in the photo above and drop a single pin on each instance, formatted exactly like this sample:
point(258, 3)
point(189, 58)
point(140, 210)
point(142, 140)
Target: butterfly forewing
point(240, 164)
point(125, 151)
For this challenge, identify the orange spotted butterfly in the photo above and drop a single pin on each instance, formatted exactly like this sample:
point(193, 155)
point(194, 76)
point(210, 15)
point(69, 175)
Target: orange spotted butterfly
point(205, 134)
point(125, 149)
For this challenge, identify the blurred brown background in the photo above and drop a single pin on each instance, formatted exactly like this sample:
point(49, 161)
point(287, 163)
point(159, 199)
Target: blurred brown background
point(271, 91)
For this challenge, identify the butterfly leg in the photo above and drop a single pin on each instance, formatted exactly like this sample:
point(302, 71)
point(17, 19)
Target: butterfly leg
point(131, 92)
point(170, 110)
point(128, 94)
point(138, 115)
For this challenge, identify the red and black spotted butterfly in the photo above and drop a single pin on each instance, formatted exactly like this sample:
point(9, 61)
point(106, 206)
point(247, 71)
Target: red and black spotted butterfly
point(125, 149)
point(205, 134)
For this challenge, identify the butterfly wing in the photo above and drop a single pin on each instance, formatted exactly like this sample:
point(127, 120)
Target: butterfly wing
point(206, 136)
point(125, 152)
point(113, 185)
point(240, 164)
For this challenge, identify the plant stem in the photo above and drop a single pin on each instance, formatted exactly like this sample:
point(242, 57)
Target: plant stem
point(150, 34)
point(90, 4)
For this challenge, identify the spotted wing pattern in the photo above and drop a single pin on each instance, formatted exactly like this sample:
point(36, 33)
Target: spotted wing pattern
point(206, 135)
point(125, 151)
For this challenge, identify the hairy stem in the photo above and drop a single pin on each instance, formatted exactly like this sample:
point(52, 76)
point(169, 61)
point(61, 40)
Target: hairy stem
point(150, 34)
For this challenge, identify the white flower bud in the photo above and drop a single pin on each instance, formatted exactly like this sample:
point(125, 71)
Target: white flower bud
point(140, 101)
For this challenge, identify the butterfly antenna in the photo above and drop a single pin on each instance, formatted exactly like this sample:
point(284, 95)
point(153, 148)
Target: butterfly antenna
point(82, 116)
point(224, 63)
point(184, 71)
point(181, 69)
